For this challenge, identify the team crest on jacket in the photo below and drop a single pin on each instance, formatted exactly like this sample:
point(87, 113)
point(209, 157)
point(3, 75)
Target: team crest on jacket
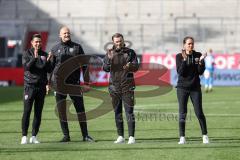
point(196, 60)
point(43, 58)
point(71, 50)
point(25, 96)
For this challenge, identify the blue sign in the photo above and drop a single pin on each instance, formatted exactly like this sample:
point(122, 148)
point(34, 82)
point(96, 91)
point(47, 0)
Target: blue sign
point(221, 77)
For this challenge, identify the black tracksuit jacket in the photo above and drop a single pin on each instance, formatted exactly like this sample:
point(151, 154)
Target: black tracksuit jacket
point(121, 80)
point(35, 69)
point(63, 52)
point(189, 70)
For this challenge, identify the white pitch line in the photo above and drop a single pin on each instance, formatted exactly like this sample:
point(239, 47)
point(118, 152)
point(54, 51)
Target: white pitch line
point(168, 113)
point(223, 115)
point(176, 103)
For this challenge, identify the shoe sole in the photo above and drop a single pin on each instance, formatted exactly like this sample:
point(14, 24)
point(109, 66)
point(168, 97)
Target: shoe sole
point(118, 142)
point(182, 143)
point(34, 143)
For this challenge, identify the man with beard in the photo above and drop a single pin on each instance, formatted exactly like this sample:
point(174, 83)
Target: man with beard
point(121, 62)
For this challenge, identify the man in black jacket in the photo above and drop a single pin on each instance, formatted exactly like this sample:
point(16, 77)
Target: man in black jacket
point(121, 62)
point(60, 53)
point(36, 65)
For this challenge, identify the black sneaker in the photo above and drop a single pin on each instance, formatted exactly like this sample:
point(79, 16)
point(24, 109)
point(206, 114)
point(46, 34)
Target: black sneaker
point(65, 139)
point(88, 139)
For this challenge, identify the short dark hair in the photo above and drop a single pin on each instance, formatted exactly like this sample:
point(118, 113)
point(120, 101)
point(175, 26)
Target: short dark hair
point(186, 38)
point(37, 35)
point(117, 35)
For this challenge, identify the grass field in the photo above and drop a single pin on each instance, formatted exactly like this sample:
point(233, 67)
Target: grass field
point(156, 133)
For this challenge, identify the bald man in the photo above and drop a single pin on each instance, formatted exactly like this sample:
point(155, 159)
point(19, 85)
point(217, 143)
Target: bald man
point(61, 52)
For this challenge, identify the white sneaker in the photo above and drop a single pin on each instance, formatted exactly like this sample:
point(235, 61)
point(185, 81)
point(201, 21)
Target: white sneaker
point(131, 140)
point(24, 140)
point(120, 139)
point(205, 139)
point(33, 140)
point(182, 140)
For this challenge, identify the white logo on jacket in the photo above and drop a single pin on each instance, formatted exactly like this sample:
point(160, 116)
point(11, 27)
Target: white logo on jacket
point(71, 50)
point(43, 58)
point(25, 96)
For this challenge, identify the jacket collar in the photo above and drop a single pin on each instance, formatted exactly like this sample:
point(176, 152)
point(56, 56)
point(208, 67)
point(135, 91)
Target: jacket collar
point(32, 51)
point(66, 43)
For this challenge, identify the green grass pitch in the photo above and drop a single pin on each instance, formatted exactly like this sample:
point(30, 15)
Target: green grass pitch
point(156, 130)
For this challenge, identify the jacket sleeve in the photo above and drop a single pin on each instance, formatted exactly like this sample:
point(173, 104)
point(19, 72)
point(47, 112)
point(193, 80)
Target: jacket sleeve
point(86, 76)
point(48, 67)
point(106, 64)
point(133, 66)
point(81, 51)
point(180, 64)
point(201, 67)
point(28, 61)
point(85, 68)
point(51, 66)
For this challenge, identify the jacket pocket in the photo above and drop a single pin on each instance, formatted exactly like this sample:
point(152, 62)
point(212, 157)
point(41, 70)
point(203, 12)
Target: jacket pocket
point(30, 78)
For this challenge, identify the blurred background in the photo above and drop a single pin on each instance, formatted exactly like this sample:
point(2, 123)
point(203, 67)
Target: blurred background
point(155, 28)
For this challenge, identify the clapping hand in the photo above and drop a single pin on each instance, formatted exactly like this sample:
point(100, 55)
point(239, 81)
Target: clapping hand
point(50, 55)
point(204, 55)
point(184, 55)
point(35, 52)
point(125, 67)
point(110, 54)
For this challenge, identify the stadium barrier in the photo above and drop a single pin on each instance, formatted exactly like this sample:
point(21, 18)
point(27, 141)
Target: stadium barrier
point(227, 70)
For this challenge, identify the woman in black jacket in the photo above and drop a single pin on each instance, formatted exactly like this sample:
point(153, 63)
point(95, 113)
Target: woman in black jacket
point(190, 65)
point(36, 65)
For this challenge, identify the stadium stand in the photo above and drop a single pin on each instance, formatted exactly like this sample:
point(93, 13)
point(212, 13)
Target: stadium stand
point(152, 25)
